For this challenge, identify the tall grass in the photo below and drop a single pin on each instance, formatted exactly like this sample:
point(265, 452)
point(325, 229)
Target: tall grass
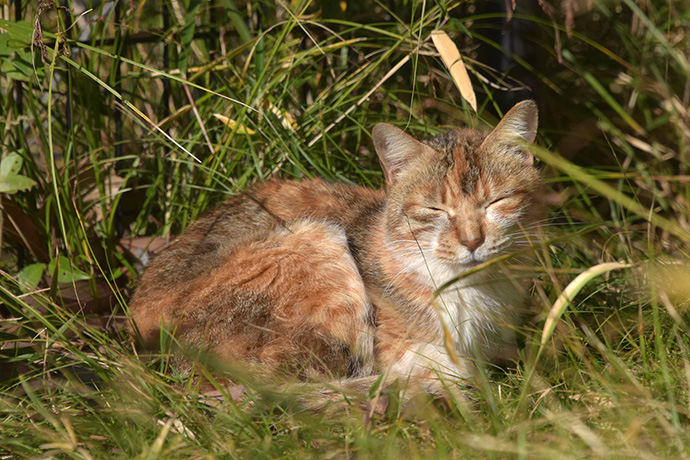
point(112, 145)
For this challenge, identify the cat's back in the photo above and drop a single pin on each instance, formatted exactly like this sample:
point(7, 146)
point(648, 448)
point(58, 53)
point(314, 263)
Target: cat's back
point(337, 203)
point(255, 214)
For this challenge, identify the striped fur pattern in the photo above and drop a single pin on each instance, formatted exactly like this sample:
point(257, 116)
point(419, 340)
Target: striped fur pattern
point(315, 279)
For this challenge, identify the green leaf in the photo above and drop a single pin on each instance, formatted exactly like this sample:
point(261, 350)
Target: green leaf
point(16, 58)
point(20, 30)
point(375, 387)
point(10, 165)
point(10, 70)
point(10, 44)
point(5, 49)
point(66, 272)
point(30, 276)
point(24, 70)
point(10, 181)
point(15, 183)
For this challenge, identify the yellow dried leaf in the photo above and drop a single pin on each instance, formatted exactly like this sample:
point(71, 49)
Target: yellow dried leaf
point(453, 62)
point(232, 124)
point(285, 118)
point(569, 293)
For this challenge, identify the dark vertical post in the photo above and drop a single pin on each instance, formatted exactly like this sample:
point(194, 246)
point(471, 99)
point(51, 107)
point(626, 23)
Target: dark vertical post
point(166, 60)
point(19, 104)
point(118, 83)
point(515, 39)
point(119, 225)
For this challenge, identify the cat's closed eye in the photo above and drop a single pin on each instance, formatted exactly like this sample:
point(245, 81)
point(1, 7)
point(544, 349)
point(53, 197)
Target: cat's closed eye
point(508, 207)
point(424, 212)
point(513, 200)
point(498, 201)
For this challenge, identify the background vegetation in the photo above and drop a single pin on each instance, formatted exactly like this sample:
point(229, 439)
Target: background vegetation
point(122, 122)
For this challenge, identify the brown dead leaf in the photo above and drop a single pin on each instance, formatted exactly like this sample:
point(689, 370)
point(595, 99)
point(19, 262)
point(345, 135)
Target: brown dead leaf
point(22, 228)
point(215, 397)
point(453, 62)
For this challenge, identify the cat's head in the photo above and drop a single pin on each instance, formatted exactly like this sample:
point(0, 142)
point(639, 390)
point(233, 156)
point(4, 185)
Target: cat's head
point(463, 197)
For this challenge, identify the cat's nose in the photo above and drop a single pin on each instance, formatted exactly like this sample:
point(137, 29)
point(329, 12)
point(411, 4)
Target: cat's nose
point(473, 244)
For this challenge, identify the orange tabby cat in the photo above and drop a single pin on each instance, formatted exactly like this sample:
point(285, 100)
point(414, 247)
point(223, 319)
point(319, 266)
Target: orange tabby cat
point(312, 278)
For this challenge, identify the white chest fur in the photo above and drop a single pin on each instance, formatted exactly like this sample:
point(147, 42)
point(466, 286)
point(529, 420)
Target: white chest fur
point(480, 313)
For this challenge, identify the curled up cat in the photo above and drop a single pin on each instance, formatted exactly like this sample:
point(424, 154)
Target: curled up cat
point(318, 280)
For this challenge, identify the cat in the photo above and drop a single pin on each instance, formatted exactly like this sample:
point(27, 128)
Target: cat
point(315, 279)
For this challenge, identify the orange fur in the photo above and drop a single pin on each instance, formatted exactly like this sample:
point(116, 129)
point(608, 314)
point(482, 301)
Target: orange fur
point(312, 278)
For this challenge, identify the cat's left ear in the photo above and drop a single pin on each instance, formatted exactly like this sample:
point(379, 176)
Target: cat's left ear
point(517, 127)
point(396, 150)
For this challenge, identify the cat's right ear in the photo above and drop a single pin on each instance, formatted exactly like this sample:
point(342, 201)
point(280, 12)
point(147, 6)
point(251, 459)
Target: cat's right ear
point(395, 150)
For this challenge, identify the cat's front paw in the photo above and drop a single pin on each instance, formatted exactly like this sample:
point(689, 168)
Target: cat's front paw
point(433, 368)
